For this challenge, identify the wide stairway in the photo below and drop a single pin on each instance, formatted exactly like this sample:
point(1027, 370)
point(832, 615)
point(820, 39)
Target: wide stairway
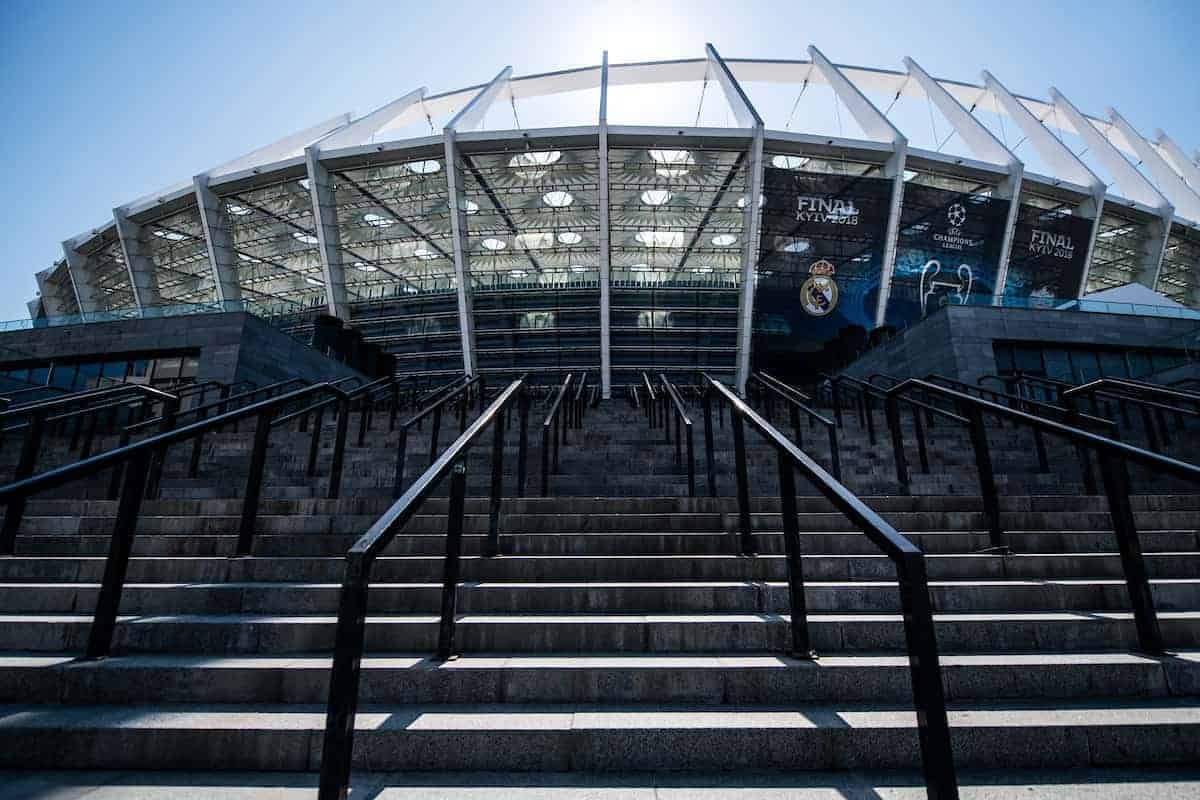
point(621, 631)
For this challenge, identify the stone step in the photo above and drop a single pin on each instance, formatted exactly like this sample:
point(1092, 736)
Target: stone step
point(598, 597)
point(722, 679)
point(597, 738)
point(598, 633)
point(1104, 783)
point(618, 543)
point(160, 569)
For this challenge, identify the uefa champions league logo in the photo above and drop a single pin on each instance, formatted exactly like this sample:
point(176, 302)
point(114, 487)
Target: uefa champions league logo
point(956, 215)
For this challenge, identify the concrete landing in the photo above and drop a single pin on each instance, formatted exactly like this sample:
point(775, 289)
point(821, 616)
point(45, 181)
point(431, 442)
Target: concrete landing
point(1058, 785)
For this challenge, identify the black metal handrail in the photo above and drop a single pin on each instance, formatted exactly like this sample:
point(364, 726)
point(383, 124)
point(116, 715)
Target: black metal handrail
point(462, 395)
point(787, 387)
point(651, 401)
point(795, 406)
point(554, 430)
point(933, 728)
point(38, 419)
point(224, 403)
point(1136, 392)
point(683, 425)
point(1113, 456)
point(352, 609)
point(866, 415)
point(578, 402)
point(137, 459)
point(421, 400)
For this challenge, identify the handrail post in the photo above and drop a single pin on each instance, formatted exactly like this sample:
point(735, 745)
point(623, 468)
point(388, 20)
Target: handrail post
point(343, 681)
point(401, 452)
point(987, 479)
point(523, 403)
point(691, 460)
point(710, 461)
point(497, 489)
point(170, 412)
point(339, 448)
point(835, 457)
point(891, 407)
point(1116, 486)
point(1039, 444)
point(868, 414)
point(933, 726)
point(450, 570)
point(364, 419)
point(746, 544)
point(547, 432)
point(15, 509)
point(919, 428)
point(258, 461)
point(835, 400)
point(314, 443)
point(435, 429)
point(108, 602)
point(798, 606)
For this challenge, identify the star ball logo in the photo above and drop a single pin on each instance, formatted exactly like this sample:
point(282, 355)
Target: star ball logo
point(819, 293)
point(956, 215)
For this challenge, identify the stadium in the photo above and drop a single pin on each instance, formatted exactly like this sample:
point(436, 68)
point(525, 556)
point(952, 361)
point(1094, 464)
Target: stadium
point(627, 247)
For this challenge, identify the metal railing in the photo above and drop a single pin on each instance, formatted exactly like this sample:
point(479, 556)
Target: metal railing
point(773, 387)
point(651, 401)
point(554, 430)
point(933, 728)
point(136, 459)
point(683, 427)
point(1154, 421)
point(352, 609)
point(37, 419)
point(457, 391)
point(1113, 456)
point(579, 402)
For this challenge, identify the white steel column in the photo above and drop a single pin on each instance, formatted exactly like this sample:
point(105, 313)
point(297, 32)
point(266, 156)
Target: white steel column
point(328, 236)
point(1133, 184)
point(472, 114)
point(878, 127)
point(142, 280)
point(605, 241)
point(77, 267)
point(984, 144)
point(748, 117)
point(222, 257)
point(1174, 154)
point(1065, 164)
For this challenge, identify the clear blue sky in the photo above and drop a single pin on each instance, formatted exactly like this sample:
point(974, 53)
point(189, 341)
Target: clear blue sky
point(106, 101)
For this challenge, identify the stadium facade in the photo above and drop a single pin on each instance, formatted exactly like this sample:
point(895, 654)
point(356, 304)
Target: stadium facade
point(623, 248)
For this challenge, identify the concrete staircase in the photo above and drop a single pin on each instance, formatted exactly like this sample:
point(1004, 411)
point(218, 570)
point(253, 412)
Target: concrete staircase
point(619, 631)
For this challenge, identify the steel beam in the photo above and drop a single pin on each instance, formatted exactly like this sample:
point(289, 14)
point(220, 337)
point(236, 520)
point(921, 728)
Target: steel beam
point(1134, 186)
point(49, 293)
point(1065, 164)
point(333, 271)
point(984, 144)
point(222, 257)
point(86, 293)
point(748, 117)
point(1170, 183)
point(142, 278)
point(876, 125)
point(472, 114)
point(362, 129)
point(605, 241)
point(1174, 154)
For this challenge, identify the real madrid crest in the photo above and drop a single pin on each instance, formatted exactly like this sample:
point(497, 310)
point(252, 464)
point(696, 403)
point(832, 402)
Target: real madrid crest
point(819, 293)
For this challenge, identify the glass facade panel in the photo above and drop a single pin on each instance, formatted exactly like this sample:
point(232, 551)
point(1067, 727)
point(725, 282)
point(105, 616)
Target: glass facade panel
point(109, 275)
point(1119, 254)
point(532, 239)
point(180, 254)
point(393, 226)
point(678, 220)
point(421, 331)
point(278, 262)
point(1179, 277)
